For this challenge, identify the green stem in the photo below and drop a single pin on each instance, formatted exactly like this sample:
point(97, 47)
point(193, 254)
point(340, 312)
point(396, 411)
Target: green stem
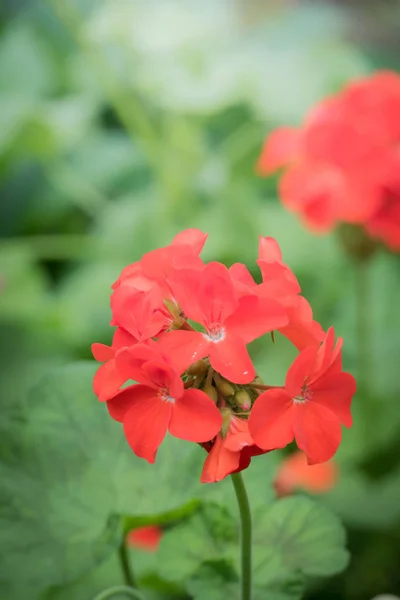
point(363, 320)
point(245, 535)
point(125, 565)
point(119, 590)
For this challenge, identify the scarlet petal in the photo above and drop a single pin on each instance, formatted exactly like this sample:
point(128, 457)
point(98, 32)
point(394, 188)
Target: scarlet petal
point(241, 274)
point(270, 421)
point(268, 249)
point(191, 237)
point(107, 381)
point(280, 148)
point(145, 426)
point(195, 417)
point(164, 376)
point(335, 392)
point(122, 338)
point(317, 431)
point(255, 317)
point(122, 402)
point(230, 358)
point(101, 352)
point(183, 348)
point(302, 330)
point(130, 362)
point(216, 294)
point(299, 370)
point(219, 463)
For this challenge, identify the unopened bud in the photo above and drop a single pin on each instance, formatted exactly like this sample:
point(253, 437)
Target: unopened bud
point(198, 368)
point(211, 392)
point(242, 398)
point(258, 380)
point(226, 421)
point(172, 308)
point(224, 387)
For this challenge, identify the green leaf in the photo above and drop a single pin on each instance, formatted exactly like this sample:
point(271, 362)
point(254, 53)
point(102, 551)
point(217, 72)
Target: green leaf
point(214, 580)
point(293, 538)
point(219, 579)
point(67, 472)
point(210, 533)
point(297, 534)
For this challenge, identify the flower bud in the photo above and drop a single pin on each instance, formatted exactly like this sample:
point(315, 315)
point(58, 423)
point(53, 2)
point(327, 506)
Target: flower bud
point(226, 420)
point(172, 308)
point(242, 399)
point(211, 392)
point(224, 387)
point(198, 368)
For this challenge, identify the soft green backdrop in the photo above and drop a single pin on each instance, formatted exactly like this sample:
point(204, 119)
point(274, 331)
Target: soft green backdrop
point(122, 122)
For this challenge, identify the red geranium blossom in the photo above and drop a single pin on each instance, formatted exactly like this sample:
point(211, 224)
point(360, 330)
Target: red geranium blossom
point(182, 333)
point(140, 293)
point(146, 538)
point(295, 473)
point(342, 164)
point(230, 321)
point(310, 408)
point(159, 402)
point(229, 453)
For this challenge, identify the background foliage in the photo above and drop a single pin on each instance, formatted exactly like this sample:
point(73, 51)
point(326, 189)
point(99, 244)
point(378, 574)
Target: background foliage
point(122, 122)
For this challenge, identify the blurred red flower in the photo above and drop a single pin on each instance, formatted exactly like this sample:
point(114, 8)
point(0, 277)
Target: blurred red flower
point(145, 538)
point(295, 473)
point(343, 163)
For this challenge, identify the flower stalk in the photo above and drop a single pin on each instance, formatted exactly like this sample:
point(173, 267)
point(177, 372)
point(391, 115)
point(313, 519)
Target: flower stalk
point(245, 536)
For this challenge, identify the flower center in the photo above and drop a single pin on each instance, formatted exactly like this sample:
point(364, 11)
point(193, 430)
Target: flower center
point(304, 396)
point(215, 334)
point(165, 396)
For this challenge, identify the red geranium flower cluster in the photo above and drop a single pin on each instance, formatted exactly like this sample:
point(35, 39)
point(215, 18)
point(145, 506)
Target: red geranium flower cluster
point(181, 346)
point(343, 163)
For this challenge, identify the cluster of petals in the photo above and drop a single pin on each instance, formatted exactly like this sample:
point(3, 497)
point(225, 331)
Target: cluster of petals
point(343, 163)
point(179, 359)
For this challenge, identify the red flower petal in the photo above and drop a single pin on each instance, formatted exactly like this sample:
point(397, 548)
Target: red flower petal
point(270, 421)
point(268, 249)
point(335, 392)
point(122, 402)
point(164, 377)
point(183, 348)
point(122, 339)
point(302, 330)
point(145, 425)
point(101, 352)
point(299, 370)
point(219, 463)
point(191, 237)
point(107, 381)
point(195, 417)
point(317, 431)
point(216, 294)
point(281, 147)
point(230, 358)
point(255, 317)
point(130, 362)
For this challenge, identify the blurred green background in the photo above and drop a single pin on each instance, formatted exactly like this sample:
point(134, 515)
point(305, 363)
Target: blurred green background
point(123, 122)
